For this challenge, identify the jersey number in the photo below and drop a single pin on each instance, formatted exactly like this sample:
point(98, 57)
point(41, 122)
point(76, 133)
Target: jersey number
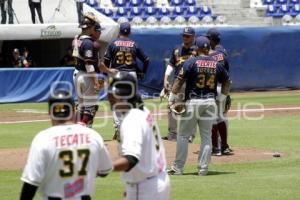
point(124, 58)
point(206, 81)
point(68, 162)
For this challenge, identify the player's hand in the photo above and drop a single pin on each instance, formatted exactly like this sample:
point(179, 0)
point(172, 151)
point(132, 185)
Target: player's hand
point(166, 85)
point(227, 103)
point(113, 71)
point(164, 94)
point(98, 86)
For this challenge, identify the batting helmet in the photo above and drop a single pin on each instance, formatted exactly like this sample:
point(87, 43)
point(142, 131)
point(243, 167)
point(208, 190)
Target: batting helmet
point(123, 86)
point(61, 105)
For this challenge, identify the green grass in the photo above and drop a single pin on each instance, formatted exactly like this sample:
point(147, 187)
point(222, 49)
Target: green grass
point(275, 179)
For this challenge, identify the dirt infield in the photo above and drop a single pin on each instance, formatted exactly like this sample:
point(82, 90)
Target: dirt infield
point(17, 157)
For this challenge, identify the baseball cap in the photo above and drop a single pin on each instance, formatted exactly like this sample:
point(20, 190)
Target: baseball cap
point(125, 28)
point(202, 42)
point(213, 34)
point(188, 31)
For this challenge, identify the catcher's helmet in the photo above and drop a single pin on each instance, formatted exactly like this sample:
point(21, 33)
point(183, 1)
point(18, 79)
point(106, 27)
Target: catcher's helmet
point(61, 105)
point(90, 20)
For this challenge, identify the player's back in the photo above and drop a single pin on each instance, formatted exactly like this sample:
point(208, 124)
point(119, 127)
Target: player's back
point(123, 53)
point(201, 77)
point(141, 128)
point(68, 158)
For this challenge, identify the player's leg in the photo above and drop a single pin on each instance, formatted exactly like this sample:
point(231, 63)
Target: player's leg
point(3, 13)
point(39, 11)
point(90, 100)
point(172, 126)
point(32, 11)
point(157, 188)
point(207, 115)
point(187, 123)
point(10, 12)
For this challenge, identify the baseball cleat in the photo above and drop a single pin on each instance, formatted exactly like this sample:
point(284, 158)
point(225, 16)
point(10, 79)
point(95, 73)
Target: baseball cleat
point(202, 172)
point(216, 152)
point(174, 171)
point(227, 151)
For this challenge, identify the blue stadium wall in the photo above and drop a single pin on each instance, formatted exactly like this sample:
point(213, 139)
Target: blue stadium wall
point(260, 58)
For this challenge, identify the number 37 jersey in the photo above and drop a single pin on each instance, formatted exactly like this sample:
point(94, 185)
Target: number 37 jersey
point(64, 160)
point(123, 53)
point(202, 74)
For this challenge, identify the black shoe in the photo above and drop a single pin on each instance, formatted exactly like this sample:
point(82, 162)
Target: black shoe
point(227, 151)
point(216, 152)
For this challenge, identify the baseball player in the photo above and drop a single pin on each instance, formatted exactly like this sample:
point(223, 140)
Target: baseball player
point(65, 159)
point(220, 128)
point(180, 54)
point(142, 153)
point(201, 75)
point(86, 52)
point(122, 55)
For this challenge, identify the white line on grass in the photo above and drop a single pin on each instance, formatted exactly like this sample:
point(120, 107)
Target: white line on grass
point(164, 112)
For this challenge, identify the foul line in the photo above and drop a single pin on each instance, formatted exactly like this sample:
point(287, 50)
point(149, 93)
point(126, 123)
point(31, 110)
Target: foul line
point(162, 113)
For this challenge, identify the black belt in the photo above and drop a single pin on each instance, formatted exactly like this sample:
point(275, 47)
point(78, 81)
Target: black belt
point(84, 197)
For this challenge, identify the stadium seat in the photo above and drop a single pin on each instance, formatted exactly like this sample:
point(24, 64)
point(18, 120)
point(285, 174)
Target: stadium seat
point(176, 2)
point(163, 11)
point(177, 11)
point(287, 20)
point(271, 11)
point(193, 20)
point(120, 3)
point(192, 11)
point(137, 20)
point(179, 20)
point(281, 2)
point(148, 3)
point(284, 9)
point(297, 19)
point(121, 12)
point(106, 11)
point(122, 20)
point(268, 2)
point(207, 19)
point(205, 10)
point(294, 2)
point(165, 20)
point(105, 4)
point(149, 11)
point(135, 11)
point(295, 10)
point(92, 3)
point(190, 2)
point(151, 20)
point(134, 3)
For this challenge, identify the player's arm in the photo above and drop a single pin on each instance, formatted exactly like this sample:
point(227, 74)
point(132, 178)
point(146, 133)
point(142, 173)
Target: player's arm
point(179, 81)
point(145, 59)
point(125, 163)
point(104, 69)
point(108, 56)
point(223, 78)
point(28, 191)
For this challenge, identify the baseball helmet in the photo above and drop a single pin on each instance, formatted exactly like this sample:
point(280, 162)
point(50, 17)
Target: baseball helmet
point(61, 105)
point(123, 85)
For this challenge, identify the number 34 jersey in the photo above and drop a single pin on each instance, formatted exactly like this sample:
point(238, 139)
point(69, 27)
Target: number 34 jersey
point(64, 160)
point(123, 53)
point(202, 74)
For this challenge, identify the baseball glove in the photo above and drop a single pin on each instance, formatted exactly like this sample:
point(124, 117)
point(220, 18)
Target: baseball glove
point(178, 108)
point(227, 103)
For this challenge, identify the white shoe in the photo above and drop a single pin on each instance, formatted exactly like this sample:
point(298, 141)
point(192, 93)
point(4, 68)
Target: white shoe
point(174, 171)
point(202, 172)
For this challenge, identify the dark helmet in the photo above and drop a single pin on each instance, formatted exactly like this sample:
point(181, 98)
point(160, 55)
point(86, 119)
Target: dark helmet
point(123, 86)
point(61, 105)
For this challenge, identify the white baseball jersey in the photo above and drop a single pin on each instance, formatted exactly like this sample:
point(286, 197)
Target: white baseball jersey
point(64, 160)
point(140, 138)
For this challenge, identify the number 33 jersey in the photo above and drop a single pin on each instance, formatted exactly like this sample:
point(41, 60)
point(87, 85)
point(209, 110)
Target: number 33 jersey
point(64, 160)
point(122, 54)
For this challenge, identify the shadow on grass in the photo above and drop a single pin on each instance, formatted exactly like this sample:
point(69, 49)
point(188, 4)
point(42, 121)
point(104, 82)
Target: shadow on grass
point(210, 173)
